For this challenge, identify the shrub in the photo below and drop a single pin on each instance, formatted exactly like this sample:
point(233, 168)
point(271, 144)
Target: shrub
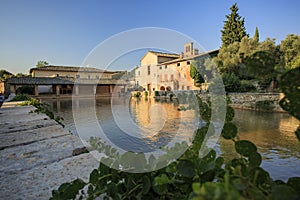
point(25, 90)
point(20, 97)
point(265, 105)
point(231, 82)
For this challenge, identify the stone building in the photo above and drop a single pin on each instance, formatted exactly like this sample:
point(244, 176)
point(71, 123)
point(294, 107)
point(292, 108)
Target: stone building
point(164, 71)
point(64, 80)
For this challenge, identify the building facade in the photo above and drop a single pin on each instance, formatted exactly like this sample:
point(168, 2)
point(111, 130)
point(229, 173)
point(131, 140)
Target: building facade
point(167, 72)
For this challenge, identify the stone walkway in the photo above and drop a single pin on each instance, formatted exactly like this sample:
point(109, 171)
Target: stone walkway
point(36, 155)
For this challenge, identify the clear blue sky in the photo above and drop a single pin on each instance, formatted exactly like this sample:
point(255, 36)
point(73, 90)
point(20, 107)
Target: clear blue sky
point(64, 32)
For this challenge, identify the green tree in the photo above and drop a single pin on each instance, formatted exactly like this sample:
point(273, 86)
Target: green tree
point(41, 63)
point(256, 35)
point(20, 75)
point(290, 47)
point(4, 75)
point(233, 29)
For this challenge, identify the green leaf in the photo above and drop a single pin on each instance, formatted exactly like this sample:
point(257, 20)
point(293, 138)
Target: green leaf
point(161, 180)
point(219, 162)
point(229, 114)
point(245, 148)
point(160, 184)
point(146, 184)
point(255, 160)
point(196, 188)
point(260, 177)
point(229, 131)
point(281, 192)
point(186, 168)
point(94, 176)
point(297, 132)
point(294, 182)
point(112, 189)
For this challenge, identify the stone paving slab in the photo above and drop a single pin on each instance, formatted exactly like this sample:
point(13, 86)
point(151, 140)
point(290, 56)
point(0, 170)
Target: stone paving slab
point(36, 155)
point(28, 136)
point(25, 157)
point(39, 182)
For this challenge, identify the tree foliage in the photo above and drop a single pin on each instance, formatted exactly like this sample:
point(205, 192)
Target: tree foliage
point(290, 47)
point(4, 75)
point(233, 29)
point(41, 63)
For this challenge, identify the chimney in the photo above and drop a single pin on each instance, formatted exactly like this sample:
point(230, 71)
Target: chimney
point(196, 52)
point(181, 55)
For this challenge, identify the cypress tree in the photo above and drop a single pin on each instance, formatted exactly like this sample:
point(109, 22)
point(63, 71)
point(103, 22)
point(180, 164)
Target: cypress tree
point(256, 36)
point(233, 29)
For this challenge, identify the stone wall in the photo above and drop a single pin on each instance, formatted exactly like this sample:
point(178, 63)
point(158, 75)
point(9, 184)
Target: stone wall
point(256, 101)
point(267, 102)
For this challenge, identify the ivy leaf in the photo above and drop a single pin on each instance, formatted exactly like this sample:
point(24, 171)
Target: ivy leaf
point(255, 160)
point(280, 192)
point(245, 147)
point(229, 114)
point(146, 184)
point(161, 180)
point(160, 184)
point(290, 86)
point(229, 131)
point(297, 132)
point(186, 168)
point(94, 176)
point(294, 182)
point(112, 190)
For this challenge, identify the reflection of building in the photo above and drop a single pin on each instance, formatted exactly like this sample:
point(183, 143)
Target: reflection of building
point(165, 71)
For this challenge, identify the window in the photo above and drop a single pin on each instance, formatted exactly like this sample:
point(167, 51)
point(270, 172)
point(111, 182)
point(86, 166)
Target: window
point(178, 64)
point(188, 62)
point(97, 77)
point(172, 77)
point(160, 67)
point(166, 77)
point(188, 87)
point(182, 87)
point(166, 66)
point(57, 75)
point(77, 76)
point(149, 72)
point(89, 76)
point(139, 73)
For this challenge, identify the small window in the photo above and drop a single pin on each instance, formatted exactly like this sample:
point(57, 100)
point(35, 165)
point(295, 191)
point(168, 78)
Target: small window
point(182, 87)
point(160, 67)
point(77, 76)
point(97, 77)
point(139, 73)
point(57, 75)
point(188, 87)
point(149, 72)
point(89, 76)
point(166, 66)
point(172, 77)
point(188, 62)
point(178, 64)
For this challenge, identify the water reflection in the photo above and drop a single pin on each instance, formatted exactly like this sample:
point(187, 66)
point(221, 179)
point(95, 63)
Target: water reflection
point(273, 133)
point(149, 125)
